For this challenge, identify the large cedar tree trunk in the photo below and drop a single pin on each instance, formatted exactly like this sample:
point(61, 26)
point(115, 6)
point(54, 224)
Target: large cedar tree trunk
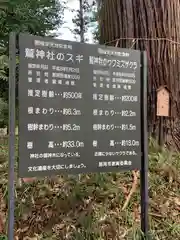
point(156, 23)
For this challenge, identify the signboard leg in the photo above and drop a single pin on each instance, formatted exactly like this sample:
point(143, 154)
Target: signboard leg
point(144, 158)
point(12, 122)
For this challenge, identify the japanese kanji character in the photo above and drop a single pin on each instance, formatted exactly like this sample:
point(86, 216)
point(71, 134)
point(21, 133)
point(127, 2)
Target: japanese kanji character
point(35, 126)
point(100, 164)
point(50, 144)
point(95, 143)
point(60, 56)
point(46, 80)
point(31, 155)
point(38, 73)
point(30, 110)
point(38, 80)
point(54, 81)
point(111, 97)
point(44, 168)
point(48, 168)
point(95, 127)
point(30, 127)
point(96, 60)
point(106, 97)
point(29, 72)
point(100, 61)
point(50, 55)
point(46, 74)
point(94, 84)
point(37, 110)
point(37, 93)
point(29, 79)
point(70, 57)
point(99, 126)
point(79, 58)
point(51, 94)
point(29, 53)
point(105, 164)
point(29, 145)
point(95, 112)
point(107, 85)
point(91, 60)
point(105, 61)
point(40, 53)
point(40, 168)
point(30, 169)
point(95, 97)
point(29, 65)
point(59, 81)
point(101, 85)
point(30, 92)
point(53, 167)
point(69, 46)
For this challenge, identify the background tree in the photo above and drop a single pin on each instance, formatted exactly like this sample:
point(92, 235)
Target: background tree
point(88, 14)
point(152, 26)
point(40, 17)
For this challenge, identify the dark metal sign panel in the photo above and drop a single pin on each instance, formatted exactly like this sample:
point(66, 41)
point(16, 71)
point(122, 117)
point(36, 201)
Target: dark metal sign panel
point(79, 108)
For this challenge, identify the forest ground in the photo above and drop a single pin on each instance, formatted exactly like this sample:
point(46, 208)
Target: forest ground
point(95, 206)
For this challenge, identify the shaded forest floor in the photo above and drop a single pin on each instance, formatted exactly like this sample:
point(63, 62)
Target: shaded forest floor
point(92, 207)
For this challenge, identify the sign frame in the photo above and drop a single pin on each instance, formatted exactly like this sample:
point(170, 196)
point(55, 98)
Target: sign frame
point(12, 139)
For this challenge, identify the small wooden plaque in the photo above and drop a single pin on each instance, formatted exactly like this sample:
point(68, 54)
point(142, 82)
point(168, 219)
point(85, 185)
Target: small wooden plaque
point(162, 102)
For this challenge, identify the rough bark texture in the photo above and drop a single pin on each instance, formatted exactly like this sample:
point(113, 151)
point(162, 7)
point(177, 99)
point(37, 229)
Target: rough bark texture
point(153, 26)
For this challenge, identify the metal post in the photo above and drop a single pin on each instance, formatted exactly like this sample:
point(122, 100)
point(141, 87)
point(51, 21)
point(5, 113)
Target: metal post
point(81, 20)
point(12, 125)
point(144, 158)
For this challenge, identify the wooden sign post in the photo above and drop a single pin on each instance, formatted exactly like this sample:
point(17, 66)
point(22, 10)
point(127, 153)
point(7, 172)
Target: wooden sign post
point(162, 109)
point(162, 102)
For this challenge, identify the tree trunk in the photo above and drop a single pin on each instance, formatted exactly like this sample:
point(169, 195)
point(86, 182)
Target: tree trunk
point(153, 26)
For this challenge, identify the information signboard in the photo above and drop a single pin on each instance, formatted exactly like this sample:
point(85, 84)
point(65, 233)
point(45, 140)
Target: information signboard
point(79, 107)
